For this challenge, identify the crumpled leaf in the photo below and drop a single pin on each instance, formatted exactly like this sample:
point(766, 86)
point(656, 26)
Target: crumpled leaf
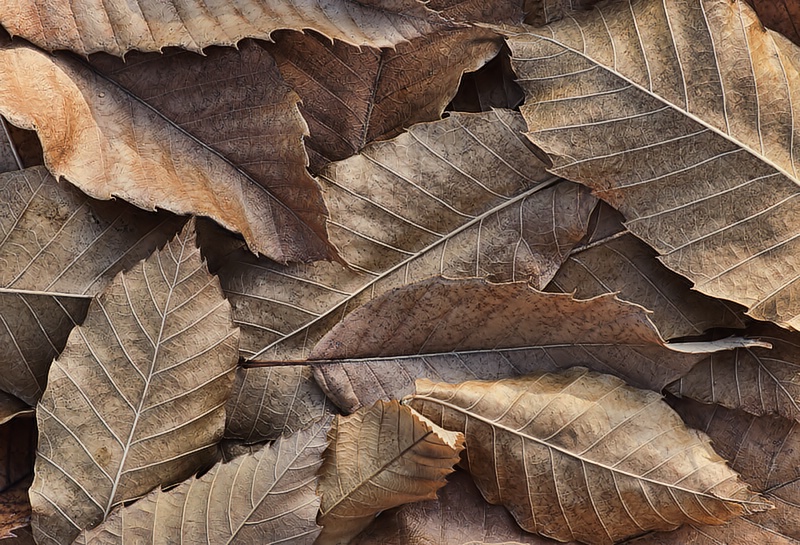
point(109, 142)
point(265, 497)
point(669, 125)
point(379, 458)
point(764, 450)
point(354, 96)
point(755, 380)
point(137, 397)
point(117, 26)
point(612, 260)
point(580, 455)
point(58, 248)
point(470, 329)
point(458, 516)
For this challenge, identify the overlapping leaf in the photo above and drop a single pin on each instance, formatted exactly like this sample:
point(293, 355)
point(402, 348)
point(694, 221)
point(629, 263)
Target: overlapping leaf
point(17, 445)
point(460, 330)
point(661, 108)
point(268, 496)
point(118, 26)
point(169, 152)
point(58, 248)
point(582, 456)
point(380, 458)
point(136, 399)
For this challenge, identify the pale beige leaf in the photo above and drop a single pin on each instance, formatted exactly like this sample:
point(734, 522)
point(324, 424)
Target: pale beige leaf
point(379, 458)
point(57, 249)
point(110, 143)
point(755, 380)
point(117, 26)
point(612, 260)
point(137, 397)
point(458, 516)
point(580, 455)
point(685, 121)
point(267, 496)
point(460, 330)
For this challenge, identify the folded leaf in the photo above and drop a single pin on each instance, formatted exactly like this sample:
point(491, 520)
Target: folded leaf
point(264, 497)
point(11, 407)
point(137, 397)
point(669, 122)
point(582, 456)
point(117, 26)
point(380, 458)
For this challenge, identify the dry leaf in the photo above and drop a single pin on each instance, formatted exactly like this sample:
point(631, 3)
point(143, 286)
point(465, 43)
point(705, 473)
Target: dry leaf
point(780, 15)
point(118, 26)
point(380, 458)
point(493, 86)
point(458, 516)
point(17, 447)
point(755, 380)
point(353, 96)
point(611, 260)
point(264, 497)
point(58, 248)
point(11, 407)
point(541, 12)
point(460, 330)
point(580, 455)
point(669, 124)
point(107, 141)
point(136, 399)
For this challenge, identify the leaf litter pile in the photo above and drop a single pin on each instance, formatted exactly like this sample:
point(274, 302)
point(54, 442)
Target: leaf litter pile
point(453, 272)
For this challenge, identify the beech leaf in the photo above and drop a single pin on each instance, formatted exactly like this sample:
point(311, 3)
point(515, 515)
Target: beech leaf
point(659, 108)
point(379, 458)
point(581, 455)
point(136, 399)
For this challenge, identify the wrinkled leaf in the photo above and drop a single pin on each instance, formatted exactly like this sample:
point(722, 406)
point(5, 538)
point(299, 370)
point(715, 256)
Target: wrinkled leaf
point(540, 12)
point(107, 141)
point(458, 516)
point(267, 496)
point(580, 455)
point(379, 458)
point(58, 248)
point(460, 330)
point(753, 379)
point(117, 26)
point(611, 260)
point(353, 96)
point(668, 122)
point(136, 399)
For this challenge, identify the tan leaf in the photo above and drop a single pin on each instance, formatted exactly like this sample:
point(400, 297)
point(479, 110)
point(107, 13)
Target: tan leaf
point(353, 96)
point(458, 516)
point(611, 260)
point(580, 455)
point(669, 124)
point(475, 201)
point(765, 451)
point(379, 458)
point(118, 26)
point(136, 399)
point(541, 12)
point(58, 248)
point(267, 496)
point(460, 330)
point(755, 380)
point(109, 142)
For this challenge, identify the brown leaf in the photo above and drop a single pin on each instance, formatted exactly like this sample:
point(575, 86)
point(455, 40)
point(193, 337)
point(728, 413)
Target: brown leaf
point(755, 380)
point(492, 86)
point(101, 137)
point(379, 458)
point(541, 12)
point(18, 444)
point(58, 249)
point(673, 130)
point(780, 15)
point(136, 399)
point(611, 260)
point(582, 456)
point(11, 407)
point(353, 96)
point(458, 516)
point(266, 496)
point(118, 26)
point(459, 330)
